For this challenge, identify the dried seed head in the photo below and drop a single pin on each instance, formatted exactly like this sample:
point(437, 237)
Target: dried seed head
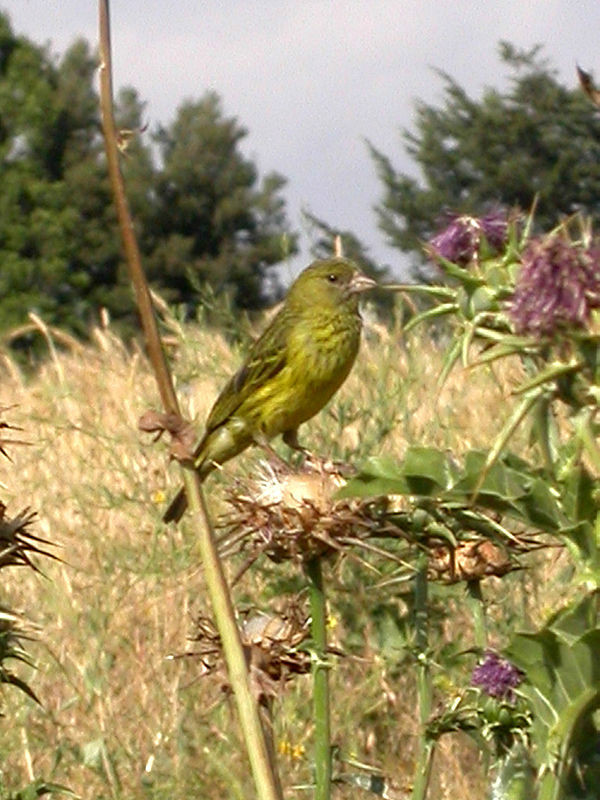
point(296, 489)
point(469, 561)
point(293, 514)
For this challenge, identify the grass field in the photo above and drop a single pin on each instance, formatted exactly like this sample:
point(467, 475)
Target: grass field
point(119, 719)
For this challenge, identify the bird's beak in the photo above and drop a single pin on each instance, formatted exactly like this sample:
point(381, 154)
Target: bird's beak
point(361, 283)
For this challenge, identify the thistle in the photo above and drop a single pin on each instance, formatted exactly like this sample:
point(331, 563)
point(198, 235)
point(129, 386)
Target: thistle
point(461, 239)
point(497, 677)
point(558, 286)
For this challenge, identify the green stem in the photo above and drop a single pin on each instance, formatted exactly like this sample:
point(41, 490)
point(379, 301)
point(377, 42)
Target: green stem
point(318, 610)
point(424, 688)
point(477, 608)
point(587, 436)
point(543, 432)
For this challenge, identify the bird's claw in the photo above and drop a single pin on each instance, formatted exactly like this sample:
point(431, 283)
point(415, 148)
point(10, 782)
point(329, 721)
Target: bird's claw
point(315, 463)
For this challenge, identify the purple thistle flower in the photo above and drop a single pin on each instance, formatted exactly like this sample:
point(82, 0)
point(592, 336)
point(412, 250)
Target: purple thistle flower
point(497, 676)
point(558, 285)
point(460, 240)
point(495, 229)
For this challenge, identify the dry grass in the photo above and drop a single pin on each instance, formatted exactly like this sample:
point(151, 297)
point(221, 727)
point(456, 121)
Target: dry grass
point(119, 719)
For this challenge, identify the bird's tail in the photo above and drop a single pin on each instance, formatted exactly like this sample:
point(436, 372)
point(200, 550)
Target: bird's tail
point(177, 507)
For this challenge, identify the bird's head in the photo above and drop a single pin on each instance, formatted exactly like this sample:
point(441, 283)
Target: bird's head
point(329, 283)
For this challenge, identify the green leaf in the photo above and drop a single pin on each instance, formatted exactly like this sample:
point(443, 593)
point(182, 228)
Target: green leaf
point(548, 375)
point(507, 346)
point(515, 777)
point(40, 788)
point(378, 475)
point(500, 487)
point(578, 495)
point(423, 471)
point(431, 313)
point(450, 358)
point(562, 683)
point(466, 277)
point(541, 508)
point(528, 401)
point(427, 469)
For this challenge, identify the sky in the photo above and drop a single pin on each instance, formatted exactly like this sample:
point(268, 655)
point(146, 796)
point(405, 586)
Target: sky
point(313, 80)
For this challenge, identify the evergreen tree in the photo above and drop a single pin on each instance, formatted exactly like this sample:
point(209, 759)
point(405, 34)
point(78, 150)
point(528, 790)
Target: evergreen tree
point(202, 213)
point(214, 221)
point(59, 250)
point(535, 139)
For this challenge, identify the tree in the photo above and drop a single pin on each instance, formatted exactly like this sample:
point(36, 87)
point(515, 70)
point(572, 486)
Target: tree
point(213, 220)
point(537, 138)
point(59, 251)
point(201, 210)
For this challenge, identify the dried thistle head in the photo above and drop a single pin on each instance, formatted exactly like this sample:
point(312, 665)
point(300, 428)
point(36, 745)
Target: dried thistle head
point(289, 514)
point(272, 643)
point(469, 561)
point(13, 630)
point(4, 427)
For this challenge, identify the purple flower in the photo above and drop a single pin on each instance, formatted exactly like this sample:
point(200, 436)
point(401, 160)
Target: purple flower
point(460, 240)
point(558, 285)
point(495, 229)
point(497, 676)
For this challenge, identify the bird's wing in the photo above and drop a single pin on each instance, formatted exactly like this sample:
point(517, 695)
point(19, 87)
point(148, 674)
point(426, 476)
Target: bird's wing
point(266, 358)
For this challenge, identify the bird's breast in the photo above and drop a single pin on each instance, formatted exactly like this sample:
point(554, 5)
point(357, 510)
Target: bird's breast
point(319, 356)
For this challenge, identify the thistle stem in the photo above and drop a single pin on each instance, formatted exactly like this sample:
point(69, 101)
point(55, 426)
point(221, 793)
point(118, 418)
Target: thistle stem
point(543, 432)
point(266, 781)
point(424, 688)
point(320, 671)
point(477, 606)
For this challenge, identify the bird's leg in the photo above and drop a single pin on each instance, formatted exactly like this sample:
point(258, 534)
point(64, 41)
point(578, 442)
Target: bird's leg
point(310, 460)
point(260, 440)
point(291, 439)
point(313, 461)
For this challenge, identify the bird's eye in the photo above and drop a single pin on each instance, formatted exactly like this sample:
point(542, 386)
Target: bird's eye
point(332, 277)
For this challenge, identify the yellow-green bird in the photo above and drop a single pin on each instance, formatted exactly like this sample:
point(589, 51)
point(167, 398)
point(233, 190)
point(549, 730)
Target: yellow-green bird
point(293, 369)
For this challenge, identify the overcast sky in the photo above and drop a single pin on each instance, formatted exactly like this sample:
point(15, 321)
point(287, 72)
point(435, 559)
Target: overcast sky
point(312, 79)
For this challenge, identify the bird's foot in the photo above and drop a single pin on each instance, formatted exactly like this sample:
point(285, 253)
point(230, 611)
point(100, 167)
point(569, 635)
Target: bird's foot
point(315, 463)
point(275, 460)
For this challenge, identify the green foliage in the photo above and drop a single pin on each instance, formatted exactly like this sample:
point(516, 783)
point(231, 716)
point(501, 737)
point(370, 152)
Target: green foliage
point(212, 221)
point(563, 690)
point(533, 302)
point(515, 778)
point(536, 138)
point(39, 788)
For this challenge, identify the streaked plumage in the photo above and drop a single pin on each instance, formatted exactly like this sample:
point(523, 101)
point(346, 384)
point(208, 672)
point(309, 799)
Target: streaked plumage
point(292, 370)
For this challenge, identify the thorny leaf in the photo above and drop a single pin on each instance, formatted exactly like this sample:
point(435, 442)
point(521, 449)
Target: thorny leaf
point(17, 543)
